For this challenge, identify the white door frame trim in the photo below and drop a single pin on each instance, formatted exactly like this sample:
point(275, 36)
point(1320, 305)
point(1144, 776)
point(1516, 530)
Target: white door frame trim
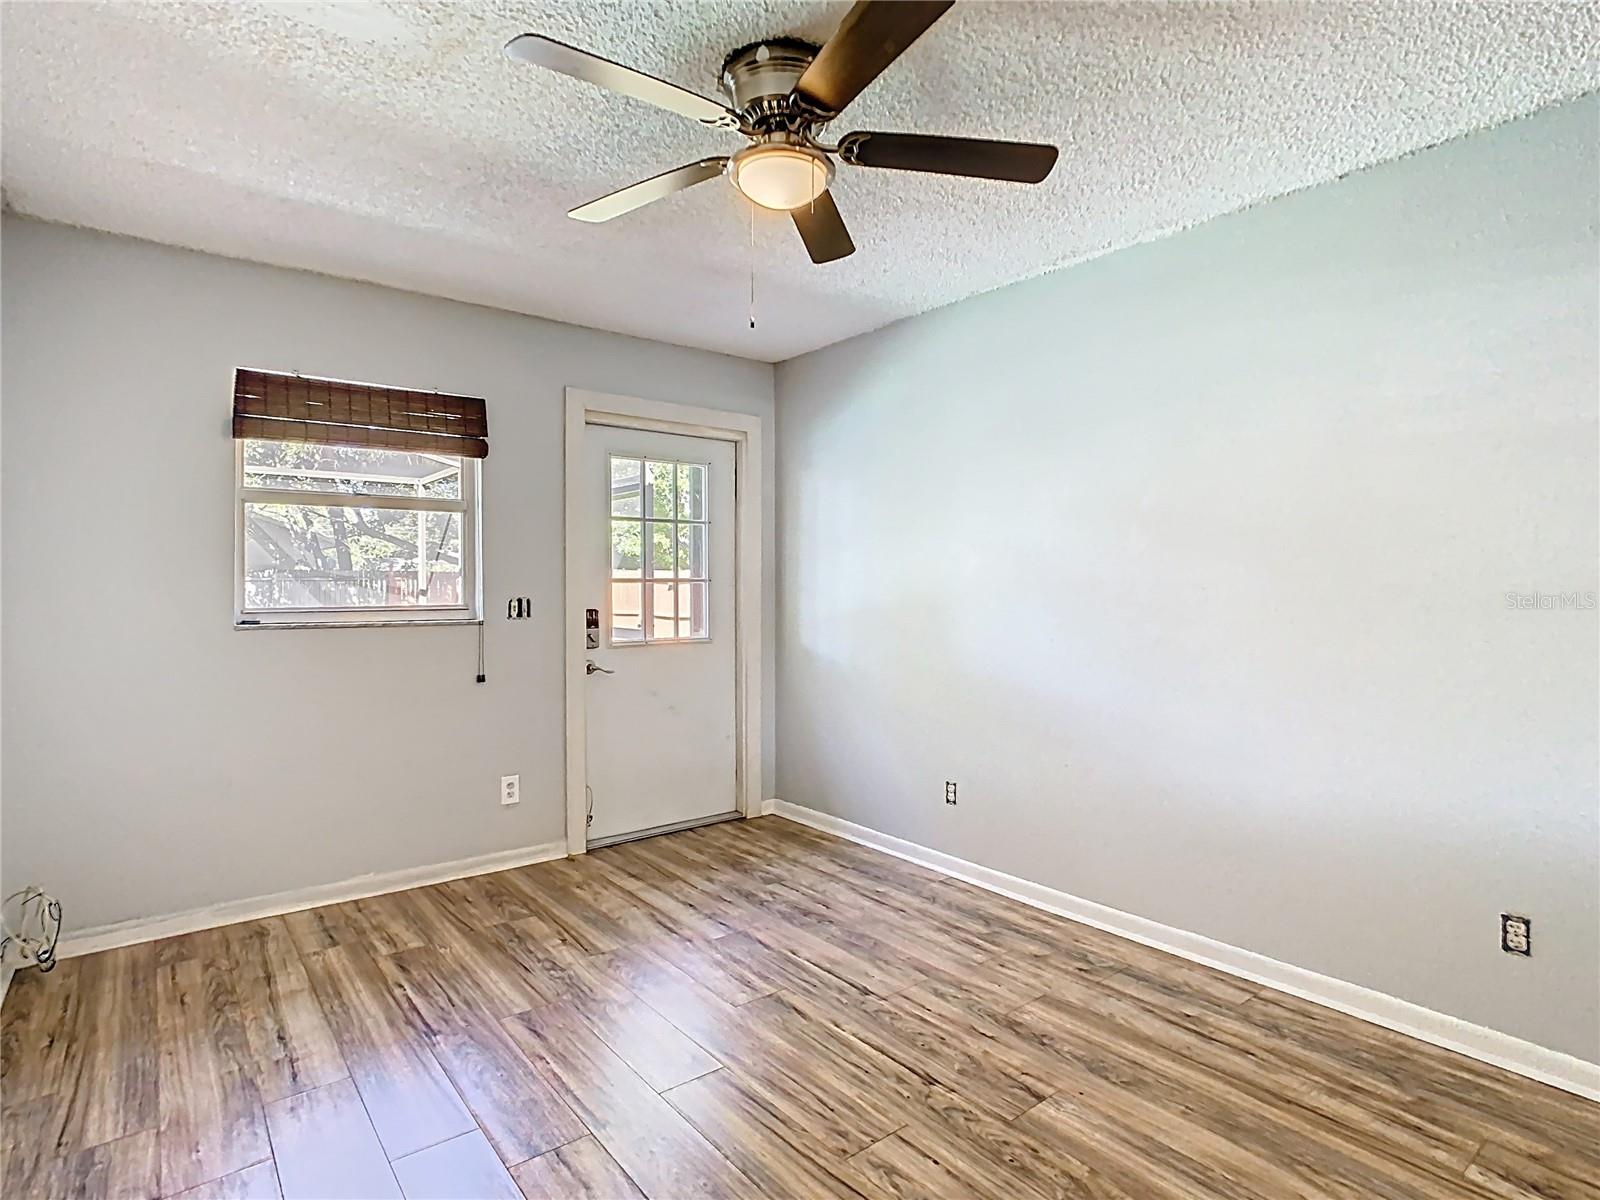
point(657, 416)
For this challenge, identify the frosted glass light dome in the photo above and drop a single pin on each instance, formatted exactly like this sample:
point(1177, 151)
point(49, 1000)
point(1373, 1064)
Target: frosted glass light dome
point(780, 177)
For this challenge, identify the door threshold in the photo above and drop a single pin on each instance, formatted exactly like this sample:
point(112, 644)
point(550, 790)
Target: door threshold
point(676, 827)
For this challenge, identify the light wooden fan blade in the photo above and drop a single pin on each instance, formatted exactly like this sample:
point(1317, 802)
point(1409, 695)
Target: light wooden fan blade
point(646, 191)
point(591, 68)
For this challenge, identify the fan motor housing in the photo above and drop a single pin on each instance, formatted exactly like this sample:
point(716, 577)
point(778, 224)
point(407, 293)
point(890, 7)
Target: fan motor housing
point(758, 78)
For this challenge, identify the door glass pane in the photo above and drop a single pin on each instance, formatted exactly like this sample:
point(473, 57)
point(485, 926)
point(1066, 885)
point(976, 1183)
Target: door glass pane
point(663, 597)
point(323, 556)
point(625, 485)
point(691, 552)
point(692, 610)
point(661, 547)
point(691, 492)
point(626, 552)
point(627, 615)
point(658, 483)
point(659, 535)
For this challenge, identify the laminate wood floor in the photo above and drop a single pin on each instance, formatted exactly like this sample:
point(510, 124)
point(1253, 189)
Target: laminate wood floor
point(747, 1010)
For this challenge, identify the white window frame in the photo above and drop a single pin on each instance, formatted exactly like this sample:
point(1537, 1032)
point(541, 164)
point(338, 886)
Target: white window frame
point(467, 613)
point(647, 579)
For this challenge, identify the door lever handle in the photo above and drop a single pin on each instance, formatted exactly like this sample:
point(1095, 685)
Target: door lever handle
point(590, 669)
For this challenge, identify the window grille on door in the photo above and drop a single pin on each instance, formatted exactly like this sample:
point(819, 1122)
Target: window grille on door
point(660, 550)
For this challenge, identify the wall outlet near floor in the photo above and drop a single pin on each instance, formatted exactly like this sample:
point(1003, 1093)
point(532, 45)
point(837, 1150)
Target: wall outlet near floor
point(510, 789)
point(949, 792)
point(1516, 934)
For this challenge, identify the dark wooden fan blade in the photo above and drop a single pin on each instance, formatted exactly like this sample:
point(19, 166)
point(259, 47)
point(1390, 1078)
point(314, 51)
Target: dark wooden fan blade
point(657, 187)
point(1019, 162)
point(591, 68)
point(822, 230)
point(872, 35)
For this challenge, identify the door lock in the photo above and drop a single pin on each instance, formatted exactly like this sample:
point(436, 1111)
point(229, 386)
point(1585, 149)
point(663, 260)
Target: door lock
point(589, 668)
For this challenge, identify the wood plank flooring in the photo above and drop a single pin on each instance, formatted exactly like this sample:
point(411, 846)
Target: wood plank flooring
point(751, 1009)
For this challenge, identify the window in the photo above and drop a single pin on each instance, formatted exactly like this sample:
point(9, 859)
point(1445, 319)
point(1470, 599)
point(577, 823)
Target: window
point(660, 548)
point(337, 534)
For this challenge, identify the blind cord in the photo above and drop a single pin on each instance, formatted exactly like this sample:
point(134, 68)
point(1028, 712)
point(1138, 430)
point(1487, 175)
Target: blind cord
point(482, 677)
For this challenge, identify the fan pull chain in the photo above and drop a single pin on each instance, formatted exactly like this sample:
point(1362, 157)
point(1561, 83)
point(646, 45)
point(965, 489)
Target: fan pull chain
point(752, 266)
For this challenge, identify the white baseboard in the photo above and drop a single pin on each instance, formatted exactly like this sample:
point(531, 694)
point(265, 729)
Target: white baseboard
point(1475, 1041)
point(129, 933)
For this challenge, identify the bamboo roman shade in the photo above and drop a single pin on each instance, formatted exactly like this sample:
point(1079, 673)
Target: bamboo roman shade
point(294, 408)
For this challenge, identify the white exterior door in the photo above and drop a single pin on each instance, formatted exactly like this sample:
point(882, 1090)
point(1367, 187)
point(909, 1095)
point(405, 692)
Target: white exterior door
point(657, 562)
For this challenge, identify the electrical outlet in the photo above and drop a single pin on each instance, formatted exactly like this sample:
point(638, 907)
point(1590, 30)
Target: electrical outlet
point(1516, 934)
point(510, 789)
point(949, 792)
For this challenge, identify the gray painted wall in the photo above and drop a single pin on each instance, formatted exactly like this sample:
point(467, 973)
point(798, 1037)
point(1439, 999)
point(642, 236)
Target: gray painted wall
point(1190, 565)
point(156, 760)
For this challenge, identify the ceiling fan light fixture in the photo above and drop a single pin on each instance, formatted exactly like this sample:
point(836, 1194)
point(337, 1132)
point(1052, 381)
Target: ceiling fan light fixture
point(780, 177)
point(782, 91)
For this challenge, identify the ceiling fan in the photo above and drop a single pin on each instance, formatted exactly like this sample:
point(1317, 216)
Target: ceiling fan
point(782, 92)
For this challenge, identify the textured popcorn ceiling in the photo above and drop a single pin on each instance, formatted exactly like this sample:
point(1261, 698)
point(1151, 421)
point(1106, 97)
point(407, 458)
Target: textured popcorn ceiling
point(393, 143)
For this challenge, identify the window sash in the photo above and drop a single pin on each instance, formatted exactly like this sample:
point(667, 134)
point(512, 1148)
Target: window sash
point(260, 495)
point(466, 506)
